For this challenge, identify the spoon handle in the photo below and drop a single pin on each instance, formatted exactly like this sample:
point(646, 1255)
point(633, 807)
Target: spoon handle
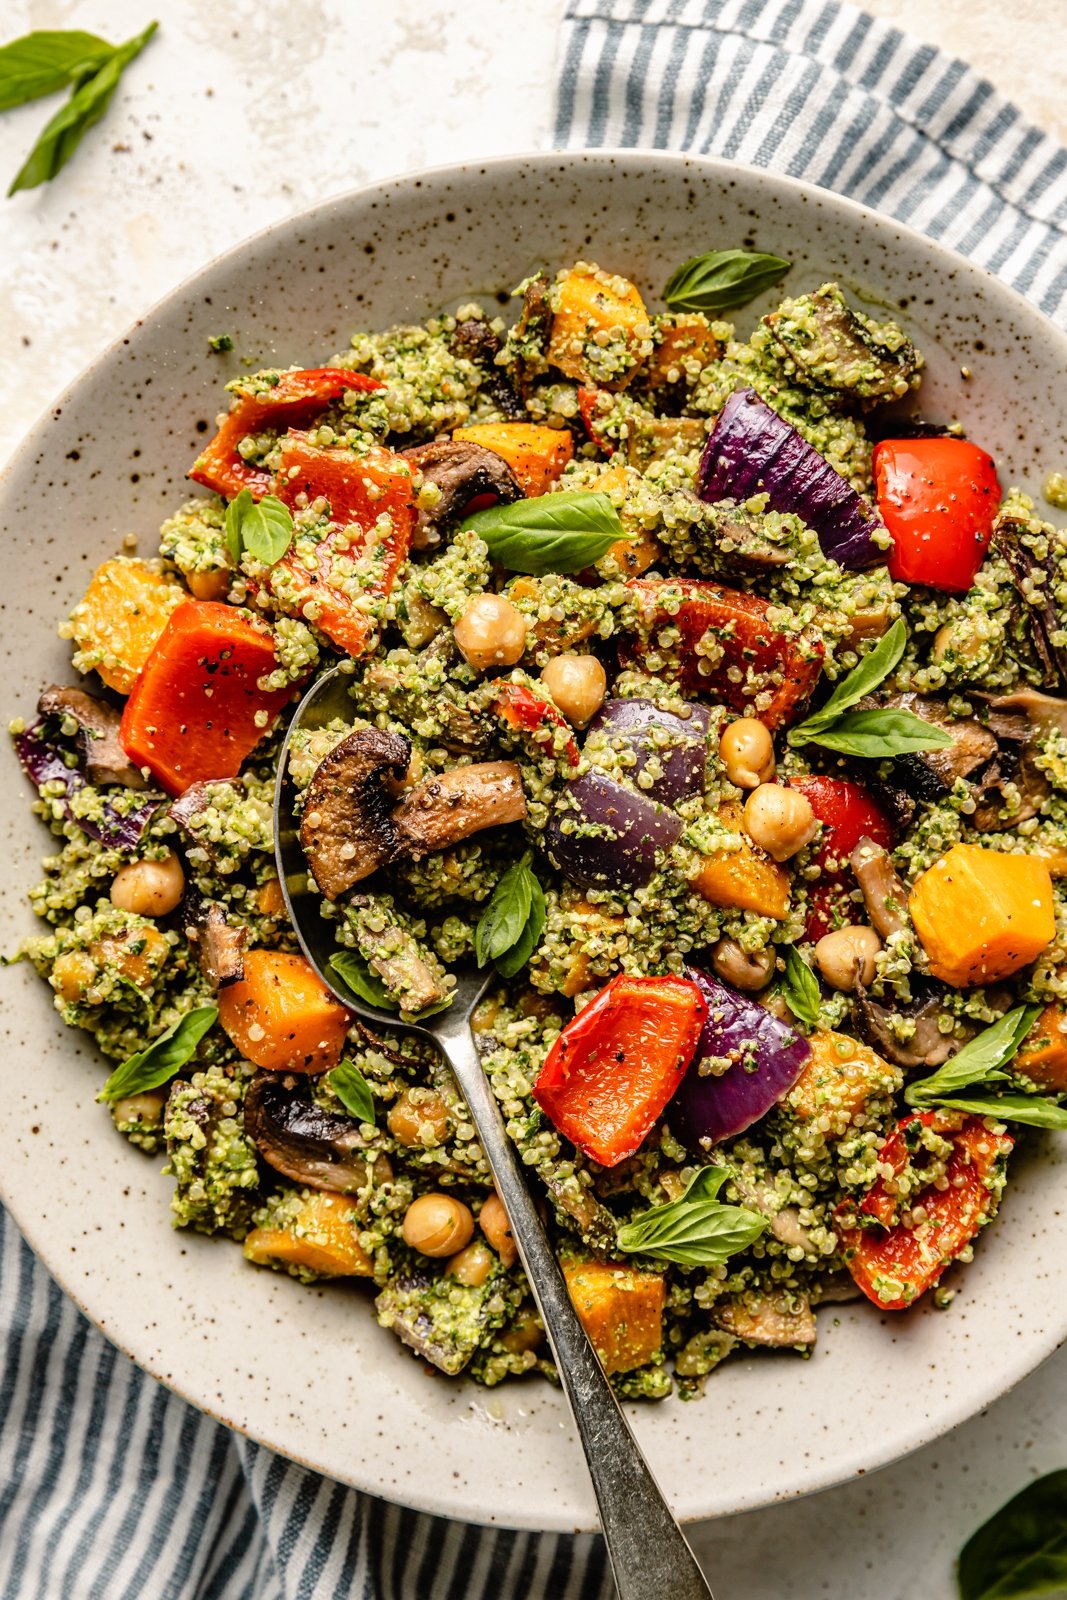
point(648, 1551)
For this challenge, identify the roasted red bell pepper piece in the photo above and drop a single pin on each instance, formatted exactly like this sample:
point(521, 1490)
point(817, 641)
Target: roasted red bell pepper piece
point(371, 502)
point(294, 400)
point(938, 498)
point(192, 711)
point(523, 711)
point(589, 410)
point(847, 812)
point(612, 1070)
point(729, 650)
point(894, 1259)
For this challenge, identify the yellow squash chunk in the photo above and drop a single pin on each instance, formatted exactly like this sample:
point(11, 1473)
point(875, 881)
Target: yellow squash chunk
point(536, 454)
point(588, 303)
point(320, 1238)
point(982, 914)
point(552, 633)
point(118, 623)
point(681, 340)
point(840, 1077)
point(1043, 1056)
point(745, 879)
point(620, 1309)
point(626, 558)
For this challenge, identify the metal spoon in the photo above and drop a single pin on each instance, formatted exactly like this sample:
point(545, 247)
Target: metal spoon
point(649, 1554)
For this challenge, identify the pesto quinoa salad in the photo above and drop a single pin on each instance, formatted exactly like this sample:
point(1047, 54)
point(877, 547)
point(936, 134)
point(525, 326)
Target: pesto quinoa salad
point(702, 687)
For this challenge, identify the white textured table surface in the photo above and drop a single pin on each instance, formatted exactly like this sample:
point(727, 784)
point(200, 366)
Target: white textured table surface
point(229, 121)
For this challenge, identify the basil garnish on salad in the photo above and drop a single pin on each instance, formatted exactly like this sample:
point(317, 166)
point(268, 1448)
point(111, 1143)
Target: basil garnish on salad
point(353, 1091)
point(553, 533)
point(262, 527)
point(513, 921)
point(158, 1062)
point(876, 733)
point(982, 1061)
point(697, 1230)
point(723, 280)
point(800, 989)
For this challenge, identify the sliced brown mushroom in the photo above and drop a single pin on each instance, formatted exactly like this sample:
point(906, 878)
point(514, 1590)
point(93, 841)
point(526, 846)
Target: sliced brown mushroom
point(443, 810)
point(530, 336)
point(393, 952)
point(1013, 536)
point(306, 1143)
point(98, 734)
point(931, 774)
point(779, 1321)
point(926, 1046)
point(834, 347)
point(462, 471)
point(346, 830)
point(884, 894)
point(481, 344)
point(1018, 721)
point(196, 799)
point(218, 945)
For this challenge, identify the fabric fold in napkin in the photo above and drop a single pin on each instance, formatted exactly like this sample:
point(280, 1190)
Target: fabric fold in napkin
point(111, 1488)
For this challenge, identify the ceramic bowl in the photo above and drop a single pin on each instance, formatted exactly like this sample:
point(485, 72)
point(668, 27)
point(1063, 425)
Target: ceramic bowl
point(308, 1372)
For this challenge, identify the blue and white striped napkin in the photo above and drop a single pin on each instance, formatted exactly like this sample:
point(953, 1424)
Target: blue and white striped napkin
point(111, 1488)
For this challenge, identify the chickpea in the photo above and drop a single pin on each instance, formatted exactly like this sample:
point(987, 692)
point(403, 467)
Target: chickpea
point(746, 750)
point(146, 1108)
point(577, 684)
point(149, 888)
point(494, 1223)
point(212, 584)
point(744, 969)
point(965, 644)
point(846, 956)
point(780, 820)
point(471, 1266)
point(419, 1117)
point(437, 1225)
point(491, 632)
point(72, 973)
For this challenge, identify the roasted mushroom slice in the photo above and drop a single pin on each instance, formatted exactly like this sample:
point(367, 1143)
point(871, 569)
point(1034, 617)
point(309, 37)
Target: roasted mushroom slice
point(346, 830)
point(780, 1321)
point(530, 335)
point(461, 471)
point(98, 735)
point(445, 809)
point(925, 1046)
point(1018, 721)
point(306, 1143)
point(196, 799)
point(481, 344)
point(391, 950)
point(1013, 536)
point(883, 893)
point(830, 346)
point(931, 774)
point(219, 946)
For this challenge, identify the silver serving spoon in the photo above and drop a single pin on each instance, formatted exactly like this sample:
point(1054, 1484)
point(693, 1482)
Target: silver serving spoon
point(649, 1554)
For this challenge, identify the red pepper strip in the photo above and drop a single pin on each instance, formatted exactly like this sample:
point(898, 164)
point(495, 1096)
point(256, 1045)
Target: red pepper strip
point(612, 1070)
point(360, 489)
point(294, 399)
point(893, 1263)
point(589, 408)
point(192, 711)
point(729, 651)
point(938, 498)
point(525, 712)
point(847, 812)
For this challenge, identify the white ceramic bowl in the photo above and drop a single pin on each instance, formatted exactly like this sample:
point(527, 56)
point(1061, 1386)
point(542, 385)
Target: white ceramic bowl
point(308, 1372)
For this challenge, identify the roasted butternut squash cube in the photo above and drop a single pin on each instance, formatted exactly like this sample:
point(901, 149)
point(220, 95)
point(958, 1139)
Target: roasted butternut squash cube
point(620, 1309)
point(281, 1016)
point(745, 879)
point(1043, 1056)
point(684, 342)
point(629, 557)
point(982, 914)
point(118, 624)
point(321, 1238)
point(535, 453)
point(840, 1077)
point(600, 328)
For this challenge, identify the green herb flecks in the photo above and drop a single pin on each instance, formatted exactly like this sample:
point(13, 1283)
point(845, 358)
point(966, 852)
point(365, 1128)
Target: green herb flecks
point(262, 527)
point(551, 533)
point(1021, 1552)
point(697, 1230)
point(800, 989)
point(353, 1091)
point(877, 733)
point(723, 280)
point(512, 923)
point(158, 1062)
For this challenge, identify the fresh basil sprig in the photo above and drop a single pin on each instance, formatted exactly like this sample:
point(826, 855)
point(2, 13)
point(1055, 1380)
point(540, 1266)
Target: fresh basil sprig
point(512, 923)
point(800, 989)
point(155, 1065)
point(877, 733)
point(723, 280)
point(695, 1231)
point(1033, 1110)
point(1021, 1552)
point(41, 62)
point(353, 1091)
point(550, 533)
point(354, 973)
point(262, 527)
point(980, 1061)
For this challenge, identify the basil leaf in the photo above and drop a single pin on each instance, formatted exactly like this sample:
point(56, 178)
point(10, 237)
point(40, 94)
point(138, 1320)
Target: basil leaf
point(864, 678)
point(41, 62)
point(979, 1061)
point(551, 533)
point(158, 1062)
point(881, 732)
point(1021, 1552)
point(353, 1090)
point(90, 100)
point(722, 280)
point(800, 989)
point(513, 921)
point(262, 527)
point(1034, 1110)
point(350, 969)
point(695, 1231)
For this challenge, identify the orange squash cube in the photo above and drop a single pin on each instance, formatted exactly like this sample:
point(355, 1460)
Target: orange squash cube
point(620, 1309)
point(321, 1238)
point(745, 879)
point(588, 302)
point(1043, 1056)
point(281, 1017)
point(982, 914)
point(535, 453)
point(679, 340)
point(841, 1075)
point(118, 623)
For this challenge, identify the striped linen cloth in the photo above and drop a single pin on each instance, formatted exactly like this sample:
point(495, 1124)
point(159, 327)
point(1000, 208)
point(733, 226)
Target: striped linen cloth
point(111, 1488)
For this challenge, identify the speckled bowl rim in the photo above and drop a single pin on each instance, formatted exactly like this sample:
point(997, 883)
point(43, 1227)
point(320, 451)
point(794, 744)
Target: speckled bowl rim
point(989, 1384)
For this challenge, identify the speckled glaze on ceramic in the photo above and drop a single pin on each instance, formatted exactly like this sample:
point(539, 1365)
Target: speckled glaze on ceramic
point(308, 1372)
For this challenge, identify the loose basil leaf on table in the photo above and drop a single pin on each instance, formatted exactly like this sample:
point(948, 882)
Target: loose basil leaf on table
point(695, 1231)
point(551, 533)
point(981, 1059)
point(41, 62)
point(262, 527)
point(800, 989)
point(353, 1090)
point(349, 967)
point(723, 280)
point(513, 921)
point(155, 1065)
point(1021, 1552)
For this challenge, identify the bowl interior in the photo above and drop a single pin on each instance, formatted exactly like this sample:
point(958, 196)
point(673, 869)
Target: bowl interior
point(307, 1371)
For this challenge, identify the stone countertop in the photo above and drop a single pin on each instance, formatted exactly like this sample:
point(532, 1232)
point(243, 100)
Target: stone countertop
point(147, 199)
